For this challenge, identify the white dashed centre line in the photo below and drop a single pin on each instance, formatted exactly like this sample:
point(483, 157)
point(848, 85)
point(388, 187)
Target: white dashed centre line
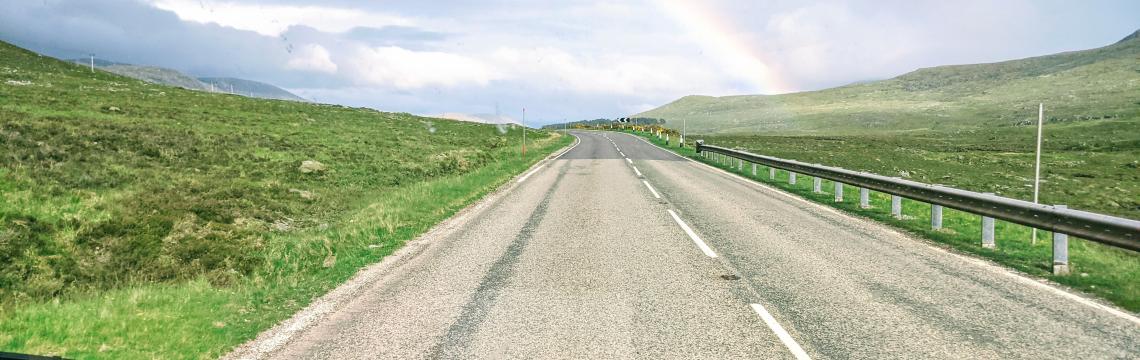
point(785, 338)
point(655, 194)
point(696, 239)
point(636, 171)
point(628, 160)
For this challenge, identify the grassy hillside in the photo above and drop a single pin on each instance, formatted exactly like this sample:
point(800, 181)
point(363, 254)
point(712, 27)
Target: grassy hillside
point(250, 88)
point(1102, 83)
point(146, 221)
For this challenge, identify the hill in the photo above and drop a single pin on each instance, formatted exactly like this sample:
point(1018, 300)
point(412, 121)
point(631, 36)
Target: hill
point(157, 75)
point(145, 221)
point(1101, 83)
point(171, 77)
point(249, 88)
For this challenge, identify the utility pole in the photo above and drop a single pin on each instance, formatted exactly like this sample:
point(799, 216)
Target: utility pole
point(1037, 164)
point(684, 129)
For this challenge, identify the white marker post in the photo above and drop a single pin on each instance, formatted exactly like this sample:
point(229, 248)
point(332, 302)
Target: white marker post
point(1037, 164)
point(92, 62)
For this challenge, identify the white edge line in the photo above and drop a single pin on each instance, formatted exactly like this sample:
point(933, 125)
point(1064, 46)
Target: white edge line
point(785, 338)
point(689, 231)
point(883, 227)
point(523, 178)
point(655, 194)
point(636, 171)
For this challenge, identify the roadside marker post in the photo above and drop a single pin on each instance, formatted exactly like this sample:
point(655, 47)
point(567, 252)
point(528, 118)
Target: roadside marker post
point(817, 185)
point(1060, 250)
point(772, 173)
point(838, 191)
point(896, 207)
point(753, 169)
point(935, 216)
point(791, 178)
point(864, 198)
point(988, 230)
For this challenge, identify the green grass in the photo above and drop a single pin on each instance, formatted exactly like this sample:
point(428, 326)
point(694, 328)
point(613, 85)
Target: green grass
point(143, 221)
point(1109, 273)
point(1102, 83)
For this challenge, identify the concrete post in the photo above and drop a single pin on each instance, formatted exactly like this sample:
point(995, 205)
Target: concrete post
point(988, 230)
point(817, 185)
point(791, 178)
point(1060, 250)
point(864, 198)
point(753, 169)
point(740, 165)
point(935, 216)
point(838, 191)
point(772, 173)
point(896, 206)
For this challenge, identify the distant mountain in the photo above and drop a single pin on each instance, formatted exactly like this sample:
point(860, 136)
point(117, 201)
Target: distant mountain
point(1082, 85)
point(164, 76)
point(249, 88)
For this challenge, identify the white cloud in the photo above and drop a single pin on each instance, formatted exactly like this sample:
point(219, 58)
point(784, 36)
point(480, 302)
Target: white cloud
point(406, 69)
point(625, 74)
point(272, 20)
point(312, 57)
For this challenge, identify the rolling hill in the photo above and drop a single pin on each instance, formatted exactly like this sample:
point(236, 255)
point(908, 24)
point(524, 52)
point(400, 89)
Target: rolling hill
point(171, 77)
point(1101, 83)
point(249, 88)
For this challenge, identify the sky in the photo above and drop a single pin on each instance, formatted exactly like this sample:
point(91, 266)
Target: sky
point(560, 60)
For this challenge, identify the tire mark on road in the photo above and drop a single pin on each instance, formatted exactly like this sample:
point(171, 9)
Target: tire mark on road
point(458, 336)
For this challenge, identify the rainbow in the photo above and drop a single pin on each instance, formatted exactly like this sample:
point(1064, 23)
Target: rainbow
point(719, 40)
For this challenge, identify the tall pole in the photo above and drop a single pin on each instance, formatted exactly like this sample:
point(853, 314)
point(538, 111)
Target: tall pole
point(92, 62)
point(1037, 163)
point(684, 130)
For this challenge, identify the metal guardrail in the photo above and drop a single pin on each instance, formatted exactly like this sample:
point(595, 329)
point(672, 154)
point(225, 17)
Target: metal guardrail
point(1105, 229)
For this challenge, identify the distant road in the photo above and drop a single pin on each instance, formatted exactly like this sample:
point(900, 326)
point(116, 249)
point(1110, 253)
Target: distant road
point(618, 249)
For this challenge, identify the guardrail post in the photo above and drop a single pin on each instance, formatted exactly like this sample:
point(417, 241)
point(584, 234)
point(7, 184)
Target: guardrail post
point(1060, 250)
point(740, 165)
point(791, 178)
point(838, 191)
point(753, 169)
point(896, 207)
point(935, 216)
point(772, 173)
point(864, 198)
point(817, 186)
point(988, 230)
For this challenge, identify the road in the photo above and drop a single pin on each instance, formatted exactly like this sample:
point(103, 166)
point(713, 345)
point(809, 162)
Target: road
point(619, 249)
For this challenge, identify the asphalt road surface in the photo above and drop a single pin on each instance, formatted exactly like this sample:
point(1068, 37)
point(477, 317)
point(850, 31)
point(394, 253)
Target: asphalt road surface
point(618, 249)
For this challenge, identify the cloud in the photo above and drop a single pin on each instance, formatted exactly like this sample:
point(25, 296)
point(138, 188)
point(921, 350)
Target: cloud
point(272, 20)
point(570, 59)
point(312, 57)
point(405, 69)
point(403, 36)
